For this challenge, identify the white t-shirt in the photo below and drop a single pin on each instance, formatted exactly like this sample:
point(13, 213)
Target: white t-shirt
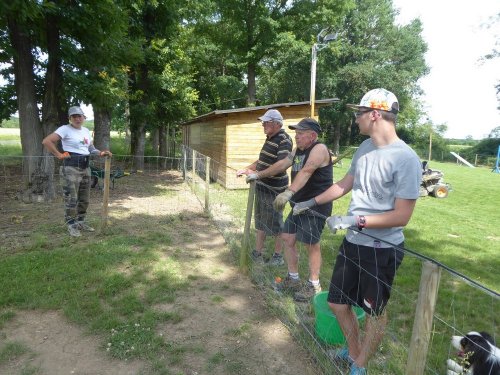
point(75, 140)
point(382, 174)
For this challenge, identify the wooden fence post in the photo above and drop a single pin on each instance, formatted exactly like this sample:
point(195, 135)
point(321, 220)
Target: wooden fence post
point(184, 162)
point(422, 325)
point(207, 184)
point(105, 199)
point(194, 166)
point(245, 246)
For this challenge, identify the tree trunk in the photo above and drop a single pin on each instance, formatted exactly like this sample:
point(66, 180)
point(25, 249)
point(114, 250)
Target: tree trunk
point(29, 121)
point(53, 103)
point(155, 140)
point(163, 138)
point(139, 142)
point(251, 85)
point(336, 139)
point(102, 126)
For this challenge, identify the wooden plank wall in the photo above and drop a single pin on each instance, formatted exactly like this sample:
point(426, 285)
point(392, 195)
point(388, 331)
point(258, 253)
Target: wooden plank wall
point(233, 141)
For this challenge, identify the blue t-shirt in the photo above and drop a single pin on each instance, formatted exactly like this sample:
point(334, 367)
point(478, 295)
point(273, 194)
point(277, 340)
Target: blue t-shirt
point(382, 174)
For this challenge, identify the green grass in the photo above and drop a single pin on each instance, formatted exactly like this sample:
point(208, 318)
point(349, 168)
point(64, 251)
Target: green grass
point(86, 280)
point(119, 144)
point(460, 231)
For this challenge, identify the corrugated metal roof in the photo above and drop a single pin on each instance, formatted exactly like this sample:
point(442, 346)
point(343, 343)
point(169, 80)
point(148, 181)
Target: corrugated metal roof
point(318, 103)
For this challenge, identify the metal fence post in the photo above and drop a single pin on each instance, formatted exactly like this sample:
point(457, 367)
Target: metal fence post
point(245, 246)
point(422, 325)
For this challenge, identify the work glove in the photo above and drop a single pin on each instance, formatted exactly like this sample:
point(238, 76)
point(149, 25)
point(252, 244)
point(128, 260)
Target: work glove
point(341, 222)
point(280, 201)
point(252, 177)
point(64, 155)
point(304, 206)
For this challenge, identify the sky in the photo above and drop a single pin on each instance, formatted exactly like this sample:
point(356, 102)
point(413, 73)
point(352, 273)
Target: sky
point(459, 90)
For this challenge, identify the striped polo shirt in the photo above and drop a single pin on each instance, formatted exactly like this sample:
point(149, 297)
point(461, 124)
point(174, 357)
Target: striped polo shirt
point(275, 148)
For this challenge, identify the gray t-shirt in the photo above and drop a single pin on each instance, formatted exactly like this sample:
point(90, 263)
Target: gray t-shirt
point(382, 174)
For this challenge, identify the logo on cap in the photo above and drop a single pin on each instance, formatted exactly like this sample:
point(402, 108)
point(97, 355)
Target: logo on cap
point(378, 99)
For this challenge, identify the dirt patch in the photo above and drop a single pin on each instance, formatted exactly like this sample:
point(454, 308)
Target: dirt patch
point(225, 328)
point(58, 347)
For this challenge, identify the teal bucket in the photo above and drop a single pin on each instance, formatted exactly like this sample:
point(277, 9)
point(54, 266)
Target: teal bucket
point(326, 325)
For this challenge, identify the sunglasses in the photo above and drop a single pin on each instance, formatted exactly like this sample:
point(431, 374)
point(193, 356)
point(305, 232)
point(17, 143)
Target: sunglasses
point(264, 123)
point(360, 113)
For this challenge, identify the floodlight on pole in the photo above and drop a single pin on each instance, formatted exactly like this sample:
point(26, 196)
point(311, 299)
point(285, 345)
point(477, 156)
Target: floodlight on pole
point(323, 39)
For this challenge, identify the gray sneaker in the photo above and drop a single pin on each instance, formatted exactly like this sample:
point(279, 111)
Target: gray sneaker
point(276, 260)
point(85, 227)
point(307, 292)
point(74, 230)
point(290, 285)
point(257, 257)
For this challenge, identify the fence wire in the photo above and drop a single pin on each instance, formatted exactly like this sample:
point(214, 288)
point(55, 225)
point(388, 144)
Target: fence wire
point(462, 304)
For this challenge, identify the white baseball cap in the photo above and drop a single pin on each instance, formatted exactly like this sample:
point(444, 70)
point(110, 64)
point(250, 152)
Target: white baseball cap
point(272, 115)
point(378, 99)
point(75, 110)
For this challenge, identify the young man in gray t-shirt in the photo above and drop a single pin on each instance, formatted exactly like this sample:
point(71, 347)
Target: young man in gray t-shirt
point(384, 179)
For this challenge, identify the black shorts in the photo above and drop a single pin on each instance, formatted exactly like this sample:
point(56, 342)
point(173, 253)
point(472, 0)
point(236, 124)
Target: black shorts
point(363, 276)
point(267, 219)
point(307, 228)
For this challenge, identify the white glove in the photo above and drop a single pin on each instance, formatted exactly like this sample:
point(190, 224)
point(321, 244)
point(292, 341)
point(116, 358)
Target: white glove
point(341, 222)
point(303, 206)
point(280, 201)
point(252, 177)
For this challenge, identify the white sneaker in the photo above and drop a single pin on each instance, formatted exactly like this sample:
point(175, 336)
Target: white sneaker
point(74, 230)
point(85, 227)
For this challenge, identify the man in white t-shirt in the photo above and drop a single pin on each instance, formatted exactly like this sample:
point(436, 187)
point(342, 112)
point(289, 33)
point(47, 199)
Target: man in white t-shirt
point(384, 179)
point(75, 173)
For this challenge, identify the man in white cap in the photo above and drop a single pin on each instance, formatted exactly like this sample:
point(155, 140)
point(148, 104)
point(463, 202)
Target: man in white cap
point(75, 172)
point(384, 178)
point(268, 221)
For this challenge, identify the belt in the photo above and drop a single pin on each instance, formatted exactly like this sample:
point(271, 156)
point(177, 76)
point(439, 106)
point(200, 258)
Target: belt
point(77, 160)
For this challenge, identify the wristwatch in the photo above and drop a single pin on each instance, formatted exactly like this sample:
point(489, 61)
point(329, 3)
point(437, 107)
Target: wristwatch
point(361, 222)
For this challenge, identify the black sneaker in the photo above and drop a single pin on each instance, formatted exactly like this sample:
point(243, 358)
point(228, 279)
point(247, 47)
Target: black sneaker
point(276, 260)
point(307, 292)
point(290, 285)
point(257, 257)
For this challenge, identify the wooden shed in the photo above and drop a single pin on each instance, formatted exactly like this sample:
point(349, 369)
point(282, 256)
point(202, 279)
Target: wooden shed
point(233, 138)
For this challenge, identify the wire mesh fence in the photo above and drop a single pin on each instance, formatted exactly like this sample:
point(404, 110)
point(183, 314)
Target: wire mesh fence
point(462, 305)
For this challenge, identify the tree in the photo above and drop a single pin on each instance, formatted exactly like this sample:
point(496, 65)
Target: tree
point(495, 133)
point(371, 52)
point(18, 17)
point(495, 52)
point(158, 75)
point(52, 33)
point(250, 33)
